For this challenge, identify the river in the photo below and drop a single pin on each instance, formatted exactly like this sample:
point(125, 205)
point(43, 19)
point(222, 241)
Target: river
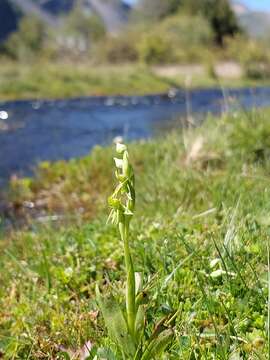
point(36, 130)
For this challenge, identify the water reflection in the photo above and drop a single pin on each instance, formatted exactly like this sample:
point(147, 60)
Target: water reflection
point(3, 115)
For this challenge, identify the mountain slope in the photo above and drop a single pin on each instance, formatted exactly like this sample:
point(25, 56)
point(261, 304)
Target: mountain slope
point(30, 7)
point(256, 23)
point(239, 8)
point(57, 7)
point(8, 19)
point(114, 13)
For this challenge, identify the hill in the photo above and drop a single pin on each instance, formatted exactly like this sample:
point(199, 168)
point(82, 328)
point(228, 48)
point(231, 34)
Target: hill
point(8, 19)
point(256, 23)
point(57, 7)
point(114, 13)
point(239, 8)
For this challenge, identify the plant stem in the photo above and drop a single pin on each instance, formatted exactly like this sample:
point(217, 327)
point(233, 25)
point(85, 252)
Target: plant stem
point(268, 302)
point(130, 285)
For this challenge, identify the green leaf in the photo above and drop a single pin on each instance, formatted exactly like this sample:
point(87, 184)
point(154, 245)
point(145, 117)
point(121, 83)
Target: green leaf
point(140, 322)
point(138, 282)
point(115, 323)
point(141, 299)
point(105, 354)
point(158, 345)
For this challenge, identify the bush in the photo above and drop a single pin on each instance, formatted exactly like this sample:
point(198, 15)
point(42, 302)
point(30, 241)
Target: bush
point(156, 49)
point(217, 13)
point(89, 27)
point(28, 40)
point(258, 71)
point(181, 29)
point(79, 35)
point(246, 50)
point(119, 49)
point(176, 41)
point(253, 55)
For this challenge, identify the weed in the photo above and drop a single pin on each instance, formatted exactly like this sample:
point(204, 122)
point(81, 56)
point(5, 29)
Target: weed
point(198, 239)
point(128, 332)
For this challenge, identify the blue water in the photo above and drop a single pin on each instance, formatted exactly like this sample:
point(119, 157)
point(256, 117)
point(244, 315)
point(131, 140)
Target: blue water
point(62, 129)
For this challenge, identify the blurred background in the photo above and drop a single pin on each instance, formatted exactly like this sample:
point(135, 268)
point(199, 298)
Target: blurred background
point(128, 68)
point(77, 75)
point(58, 48)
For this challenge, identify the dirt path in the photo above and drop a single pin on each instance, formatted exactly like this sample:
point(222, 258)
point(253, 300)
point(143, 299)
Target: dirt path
point(226, 70)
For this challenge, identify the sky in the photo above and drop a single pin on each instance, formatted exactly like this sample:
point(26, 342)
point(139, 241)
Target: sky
point(263, 5)
point(258, 4)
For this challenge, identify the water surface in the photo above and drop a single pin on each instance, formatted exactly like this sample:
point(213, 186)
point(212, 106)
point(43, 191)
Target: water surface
point(34, 131)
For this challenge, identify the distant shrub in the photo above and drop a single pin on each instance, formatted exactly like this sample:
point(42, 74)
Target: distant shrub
point(28, 40)
point(89, 27)
point(245, 50)
point(217, 13)
point(258, 71)
point(118, 49)
point(252, 54)
point(78, 35)
point(156, 49)
point(174, 41)
point(188, 30)
point(177, 39)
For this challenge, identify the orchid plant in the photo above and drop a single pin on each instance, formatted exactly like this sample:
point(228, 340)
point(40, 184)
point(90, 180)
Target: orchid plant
point(127, 329)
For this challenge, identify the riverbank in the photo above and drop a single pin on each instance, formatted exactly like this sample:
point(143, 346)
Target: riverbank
point(199, 234)
point(50, 130)
point(65, 80)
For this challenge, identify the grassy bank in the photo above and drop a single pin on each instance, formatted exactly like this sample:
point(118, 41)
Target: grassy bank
point(200, 235)
point(60, 80)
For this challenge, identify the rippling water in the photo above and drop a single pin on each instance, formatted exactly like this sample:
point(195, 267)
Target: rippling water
point(32, 131)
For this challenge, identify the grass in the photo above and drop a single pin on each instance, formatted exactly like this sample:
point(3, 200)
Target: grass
point(199, 237)
point(48, 80)
point(69, 80)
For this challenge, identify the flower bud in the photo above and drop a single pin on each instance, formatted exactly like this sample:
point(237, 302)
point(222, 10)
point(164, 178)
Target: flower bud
point(125, 165)
point(122, 201)
point(114, 203)
point(118, 163)
point(120, 148)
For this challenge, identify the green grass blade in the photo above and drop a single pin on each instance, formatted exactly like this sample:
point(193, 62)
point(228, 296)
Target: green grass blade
point(158, 345)
point(115, 323)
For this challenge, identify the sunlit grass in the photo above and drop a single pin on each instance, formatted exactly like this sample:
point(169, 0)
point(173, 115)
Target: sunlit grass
point(199, 238)
point(65, 80)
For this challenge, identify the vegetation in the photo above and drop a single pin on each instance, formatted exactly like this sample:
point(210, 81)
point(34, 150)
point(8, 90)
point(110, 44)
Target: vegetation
point(218, 13)
point(158, 46)
point(199, 239)
point(158, 32)
point(81, 58)
point(128, 332)
point(153, 10)
point(89, 27)
point(64, 80)
point(28, 41)
point(188, 278)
